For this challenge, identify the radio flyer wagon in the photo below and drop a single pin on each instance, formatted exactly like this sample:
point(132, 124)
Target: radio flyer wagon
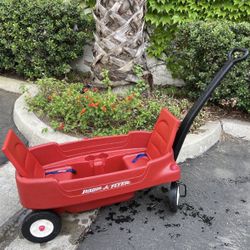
point(77, 176)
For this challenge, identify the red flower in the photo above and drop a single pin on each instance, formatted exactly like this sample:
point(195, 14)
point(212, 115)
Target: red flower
point(104, 109)
point(83, 111)
point(61, 126)
point(85, 90)
point(130, 97)
point(93, 105)
point(95, 89)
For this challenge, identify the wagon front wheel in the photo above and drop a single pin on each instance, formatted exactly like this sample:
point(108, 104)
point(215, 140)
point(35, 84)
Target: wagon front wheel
point(41, 226)
point(174, 196)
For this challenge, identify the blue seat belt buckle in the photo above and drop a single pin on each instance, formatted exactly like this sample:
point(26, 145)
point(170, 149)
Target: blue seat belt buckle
point(138, 157)
point(70, 170)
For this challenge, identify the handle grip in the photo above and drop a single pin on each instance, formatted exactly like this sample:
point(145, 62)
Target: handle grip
point(244, 55)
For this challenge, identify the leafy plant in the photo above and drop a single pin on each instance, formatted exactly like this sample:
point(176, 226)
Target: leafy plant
point(106, 80)
point(41, 37)
point(89, 3)
point(141, 87)
point(166, 15)
point(74, 108)
point(198, 52)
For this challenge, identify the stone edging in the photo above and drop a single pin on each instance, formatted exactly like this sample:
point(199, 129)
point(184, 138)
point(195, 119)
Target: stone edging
point(14, 85)
point(236, 128)
point(31, 126)
point(196, 144)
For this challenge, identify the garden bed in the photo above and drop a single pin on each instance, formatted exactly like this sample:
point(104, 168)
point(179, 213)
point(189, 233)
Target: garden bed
point(76, 109)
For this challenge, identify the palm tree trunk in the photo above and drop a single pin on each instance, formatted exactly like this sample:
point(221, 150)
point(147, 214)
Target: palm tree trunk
point(119, 40)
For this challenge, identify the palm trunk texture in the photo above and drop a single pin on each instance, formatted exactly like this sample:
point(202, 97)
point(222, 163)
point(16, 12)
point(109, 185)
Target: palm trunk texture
point(119, 40)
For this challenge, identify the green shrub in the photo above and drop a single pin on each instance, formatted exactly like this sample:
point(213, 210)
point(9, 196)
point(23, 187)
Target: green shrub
point(87, 3)
point(41, 37)
point(200, 49)
point(166, 15)
point(92, 112)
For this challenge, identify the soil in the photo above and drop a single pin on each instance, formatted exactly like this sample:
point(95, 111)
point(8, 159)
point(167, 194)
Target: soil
point(222, 113)
point(13, 75)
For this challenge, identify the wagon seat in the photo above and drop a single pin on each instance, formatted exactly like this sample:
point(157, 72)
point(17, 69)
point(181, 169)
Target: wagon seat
point(26, 163)
point(160, 142)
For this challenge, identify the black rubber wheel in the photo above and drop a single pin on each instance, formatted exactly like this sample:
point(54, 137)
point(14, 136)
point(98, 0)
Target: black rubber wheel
point(173, 196)
point(41, 226)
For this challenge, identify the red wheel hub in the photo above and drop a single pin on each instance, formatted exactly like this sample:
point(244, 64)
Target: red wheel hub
point(41, 228)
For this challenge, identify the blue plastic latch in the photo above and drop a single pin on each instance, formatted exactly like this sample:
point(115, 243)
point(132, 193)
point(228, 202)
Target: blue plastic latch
point(69, 170)
point(138, 157)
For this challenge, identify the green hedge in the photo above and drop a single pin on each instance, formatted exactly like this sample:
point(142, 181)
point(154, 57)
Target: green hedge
point(165, 15)
point(200, 49)
point(40, 37)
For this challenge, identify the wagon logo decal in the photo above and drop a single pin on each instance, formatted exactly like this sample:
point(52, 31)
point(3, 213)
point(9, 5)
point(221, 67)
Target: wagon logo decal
point(106, 187)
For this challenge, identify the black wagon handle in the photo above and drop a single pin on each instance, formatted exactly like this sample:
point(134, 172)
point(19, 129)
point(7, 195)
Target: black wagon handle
point(234, 56)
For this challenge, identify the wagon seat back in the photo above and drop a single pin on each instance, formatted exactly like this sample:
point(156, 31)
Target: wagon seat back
point(20, 156)
point(160, 141)
point(163, 135)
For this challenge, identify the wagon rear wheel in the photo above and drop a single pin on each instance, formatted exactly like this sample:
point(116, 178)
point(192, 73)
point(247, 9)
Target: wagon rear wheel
point(174, 196)
point(41, 226)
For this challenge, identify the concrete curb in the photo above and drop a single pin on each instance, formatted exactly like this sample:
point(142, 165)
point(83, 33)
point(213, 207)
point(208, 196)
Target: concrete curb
point(196, 144)
point(14, 85)
point(31, 127)
point(236, 128)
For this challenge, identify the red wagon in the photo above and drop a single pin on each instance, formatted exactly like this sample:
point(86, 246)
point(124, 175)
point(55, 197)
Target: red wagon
point(91, 173)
